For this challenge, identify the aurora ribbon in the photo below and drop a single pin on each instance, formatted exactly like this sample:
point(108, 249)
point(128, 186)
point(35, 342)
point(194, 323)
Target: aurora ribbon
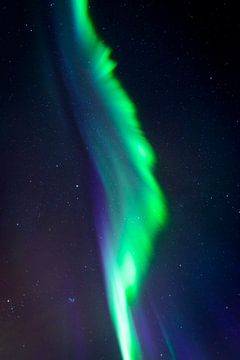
point(135, 206)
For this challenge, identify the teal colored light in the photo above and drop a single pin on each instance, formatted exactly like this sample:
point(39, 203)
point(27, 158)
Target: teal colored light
point(136, 208)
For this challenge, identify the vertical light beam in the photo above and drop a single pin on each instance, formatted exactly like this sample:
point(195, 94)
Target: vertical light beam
point(124, 160)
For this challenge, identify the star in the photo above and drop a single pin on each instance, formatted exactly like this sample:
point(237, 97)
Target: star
point(71, 300)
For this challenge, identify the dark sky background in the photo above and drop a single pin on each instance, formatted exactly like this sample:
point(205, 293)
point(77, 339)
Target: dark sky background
point(179, 61)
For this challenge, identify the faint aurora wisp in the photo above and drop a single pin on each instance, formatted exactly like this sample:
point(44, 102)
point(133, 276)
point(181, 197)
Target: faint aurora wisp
point(135, 207)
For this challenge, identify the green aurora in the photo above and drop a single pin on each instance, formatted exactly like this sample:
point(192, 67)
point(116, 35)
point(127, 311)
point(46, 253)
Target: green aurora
point(136, 207)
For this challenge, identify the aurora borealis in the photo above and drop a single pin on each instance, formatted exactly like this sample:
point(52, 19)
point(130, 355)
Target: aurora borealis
point(135, 206)
point(119, 180)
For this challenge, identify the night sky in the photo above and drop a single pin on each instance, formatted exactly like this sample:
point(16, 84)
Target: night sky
point(179, 61)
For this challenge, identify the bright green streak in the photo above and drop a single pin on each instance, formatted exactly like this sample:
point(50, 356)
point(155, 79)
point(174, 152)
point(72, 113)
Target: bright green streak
point(136, 205)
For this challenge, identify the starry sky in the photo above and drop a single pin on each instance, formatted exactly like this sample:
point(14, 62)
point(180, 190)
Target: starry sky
point(179, 61)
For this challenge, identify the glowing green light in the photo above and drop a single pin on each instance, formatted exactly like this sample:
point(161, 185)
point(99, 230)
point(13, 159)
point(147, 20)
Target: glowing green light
point(124, 160)
point(128, 271)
